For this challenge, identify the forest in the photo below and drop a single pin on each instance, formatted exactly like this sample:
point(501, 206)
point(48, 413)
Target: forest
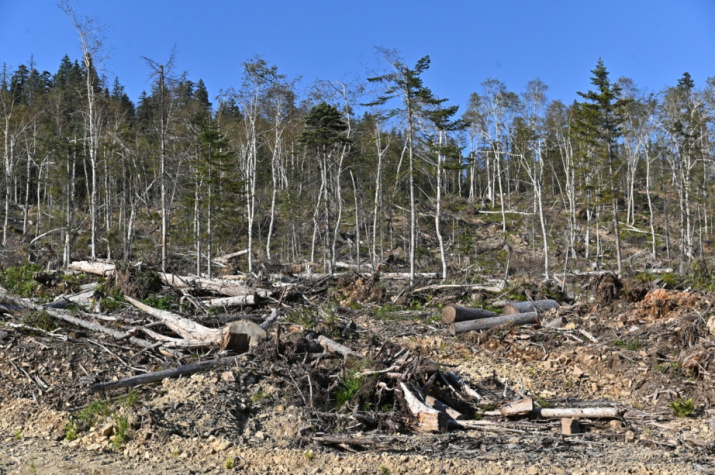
point(381, 172)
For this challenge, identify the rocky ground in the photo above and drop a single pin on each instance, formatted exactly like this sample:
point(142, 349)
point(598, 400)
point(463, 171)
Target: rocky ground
point(286, 407)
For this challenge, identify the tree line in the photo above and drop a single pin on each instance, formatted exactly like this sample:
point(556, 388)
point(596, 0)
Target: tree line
point(352, 171)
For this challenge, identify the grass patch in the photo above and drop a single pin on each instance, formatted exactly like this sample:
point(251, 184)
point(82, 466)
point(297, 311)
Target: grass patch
point(632, 345)
point(303, 317)
point(120, 435)
point(41, 320)
point(162, 303)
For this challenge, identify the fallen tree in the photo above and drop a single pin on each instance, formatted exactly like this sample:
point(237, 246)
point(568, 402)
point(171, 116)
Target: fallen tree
point(483, 324)
point(236, 336)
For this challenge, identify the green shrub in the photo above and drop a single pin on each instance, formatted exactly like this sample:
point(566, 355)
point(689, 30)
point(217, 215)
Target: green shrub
point(348, 388)
point(683, 408)
point(18, 279)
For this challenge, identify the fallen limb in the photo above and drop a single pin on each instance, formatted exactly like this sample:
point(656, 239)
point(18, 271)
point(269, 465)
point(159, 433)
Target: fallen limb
point(104, 269)
point(226, 257)
point(456, 313)
point(229, 288)
point(335, 347)
point(483, 324)
point(69, 318)
point(470, 287)
point(161, 375)
point(528, 307)
point(575, 412)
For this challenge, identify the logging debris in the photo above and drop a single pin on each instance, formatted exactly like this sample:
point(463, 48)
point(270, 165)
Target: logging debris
point(340, 373)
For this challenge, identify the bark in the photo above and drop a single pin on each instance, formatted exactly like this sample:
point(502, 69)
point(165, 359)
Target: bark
point(483, 324)
point(455, 313)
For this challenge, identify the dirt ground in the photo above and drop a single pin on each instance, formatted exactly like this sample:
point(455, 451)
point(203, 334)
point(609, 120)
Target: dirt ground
point(646, 352)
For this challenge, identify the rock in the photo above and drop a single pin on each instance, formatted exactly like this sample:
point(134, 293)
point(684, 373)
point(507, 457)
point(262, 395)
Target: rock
point(228, 376)
point(106, 430)
point(219, 445)
point(711, 325)
point(578, 372)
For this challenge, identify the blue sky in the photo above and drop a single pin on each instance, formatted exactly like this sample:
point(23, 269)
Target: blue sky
point(558, 41)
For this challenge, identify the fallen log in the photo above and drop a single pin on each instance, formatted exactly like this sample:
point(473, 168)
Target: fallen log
point(236, 336)
point(161, 375)
point(225, 302)
point(429, 419)
point(456, 313)
point(440, 406)
point(483, 324)
point(470, 287)
point(229, 288)
point(335, 347)
point(528, 307)
point(104, 269)
point(575, 412)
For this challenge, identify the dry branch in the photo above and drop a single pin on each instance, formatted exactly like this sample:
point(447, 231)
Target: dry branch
point(161, 375)
point(335, 347)
point(483, 324)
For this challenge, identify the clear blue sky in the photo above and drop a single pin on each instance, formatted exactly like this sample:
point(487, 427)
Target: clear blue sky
point(558, 41)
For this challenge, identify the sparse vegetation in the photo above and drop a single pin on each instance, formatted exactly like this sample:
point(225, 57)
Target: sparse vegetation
point(632, 345)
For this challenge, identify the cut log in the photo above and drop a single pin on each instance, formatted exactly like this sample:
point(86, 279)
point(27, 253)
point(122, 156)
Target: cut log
point(225, 302)
point(335, 347)
point(440, 406)
point(429, 419)
point(583, 412)
point(528, 307)
point(161, 375)
point(456, 313)
point(517, 408)
point(483, 324)
point(236, 336)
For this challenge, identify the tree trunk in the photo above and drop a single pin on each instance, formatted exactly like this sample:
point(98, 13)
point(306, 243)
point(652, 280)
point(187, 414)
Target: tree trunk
point(483, 324)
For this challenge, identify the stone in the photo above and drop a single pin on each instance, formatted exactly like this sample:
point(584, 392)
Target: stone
point(711, 325)
point(228, 376)
point(106, 430)
point(219, 445)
